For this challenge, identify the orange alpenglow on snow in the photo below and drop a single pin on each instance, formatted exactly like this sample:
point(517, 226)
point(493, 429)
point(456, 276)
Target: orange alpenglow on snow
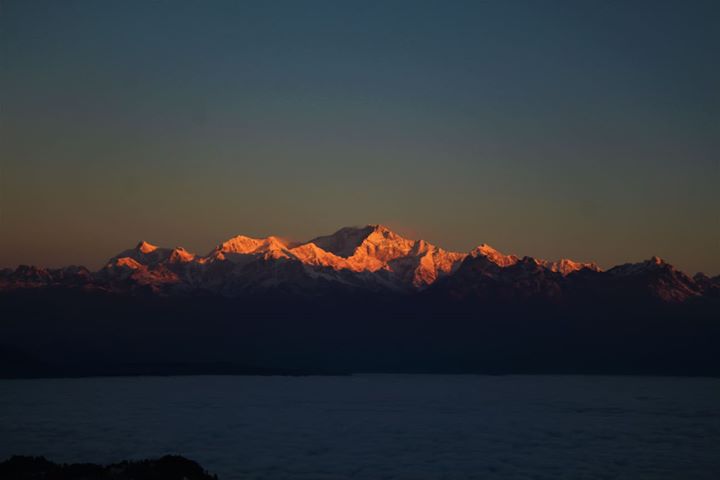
point(372, 258)
point(372, 249)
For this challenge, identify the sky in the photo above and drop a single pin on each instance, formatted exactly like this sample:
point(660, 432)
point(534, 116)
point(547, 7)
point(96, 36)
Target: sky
point(588, 130)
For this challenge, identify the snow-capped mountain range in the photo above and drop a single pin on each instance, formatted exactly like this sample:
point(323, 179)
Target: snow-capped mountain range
point(370, 258)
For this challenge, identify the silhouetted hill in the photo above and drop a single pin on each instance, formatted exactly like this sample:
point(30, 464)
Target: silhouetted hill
point(169, 467)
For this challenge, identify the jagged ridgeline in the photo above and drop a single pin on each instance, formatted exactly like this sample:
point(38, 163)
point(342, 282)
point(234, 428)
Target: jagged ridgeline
point(370, 259)
point(361, 299)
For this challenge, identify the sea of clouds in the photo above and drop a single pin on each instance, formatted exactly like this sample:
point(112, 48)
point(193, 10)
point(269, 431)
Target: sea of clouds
point(377, 426)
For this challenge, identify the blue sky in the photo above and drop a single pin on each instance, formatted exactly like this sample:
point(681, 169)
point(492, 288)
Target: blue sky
point(580, 129)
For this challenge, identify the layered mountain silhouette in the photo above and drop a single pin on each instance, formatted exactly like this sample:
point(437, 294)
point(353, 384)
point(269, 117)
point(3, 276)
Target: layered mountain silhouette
point(363, 299)
point(371, 259)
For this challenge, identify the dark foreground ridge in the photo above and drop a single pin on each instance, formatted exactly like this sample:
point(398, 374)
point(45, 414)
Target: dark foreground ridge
point(170, 467)
point(66, 333)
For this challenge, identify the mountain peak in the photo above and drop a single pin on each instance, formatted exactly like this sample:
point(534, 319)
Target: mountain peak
point(126, 262)
point(179, 254)
point(655, 260)
point(145, 247)
point(565, 266)
point(484, 249)
point(241, 247)
point(376, 227)
point(653, 264)
point(345, 241)
point(242, 244)
point(381, 231)
point(496, 257)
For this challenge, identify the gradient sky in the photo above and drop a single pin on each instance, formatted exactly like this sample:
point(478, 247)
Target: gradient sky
point(588, 130)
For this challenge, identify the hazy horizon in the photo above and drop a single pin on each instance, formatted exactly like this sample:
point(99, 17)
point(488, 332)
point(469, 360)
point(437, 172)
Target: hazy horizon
point(297, 241)
point(586, 131)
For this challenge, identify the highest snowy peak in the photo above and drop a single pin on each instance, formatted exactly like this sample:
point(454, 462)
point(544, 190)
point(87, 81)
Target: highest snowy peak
point(375, 247)
point(345, 241)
